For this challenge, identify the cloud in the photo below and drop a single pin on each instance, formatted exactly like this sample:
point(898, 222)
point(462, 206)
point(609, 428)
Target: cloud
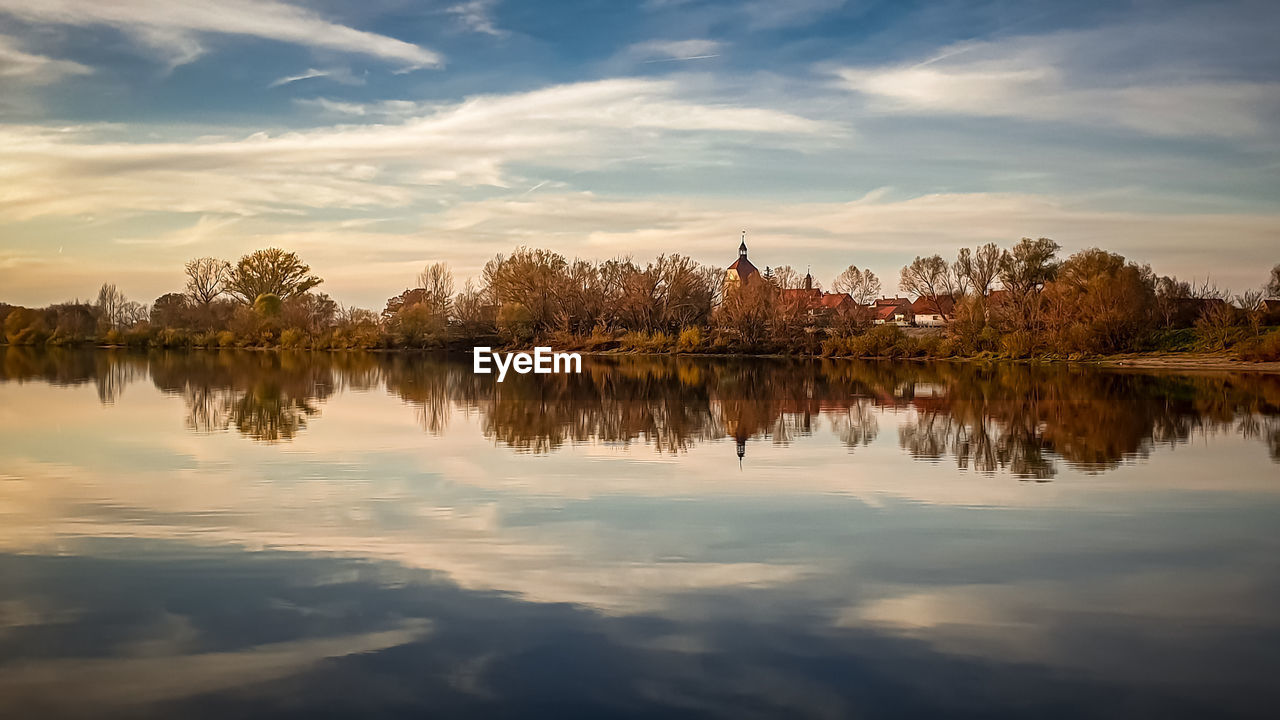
point(174, 27)
point(1154, 77)
point(338, 75)
point(573, 127)
point(670, 50)
point(477, 16)
point(21, 66)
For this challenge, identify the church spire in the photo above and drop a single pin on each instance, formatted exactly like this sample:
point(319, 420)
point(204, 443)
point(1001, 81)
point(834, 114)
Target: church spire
point(742, 249)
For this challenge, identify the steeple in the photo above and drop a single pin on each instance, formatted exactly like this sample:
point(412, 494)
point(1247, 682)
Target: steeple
point(808, 280)
point(742, 249)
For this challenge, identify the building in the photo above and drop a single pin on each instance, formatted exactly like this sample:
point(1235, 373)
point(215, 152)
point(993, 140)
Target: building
point(929, 312)
point(817, 302)
point(891, 311)
point(741, 271)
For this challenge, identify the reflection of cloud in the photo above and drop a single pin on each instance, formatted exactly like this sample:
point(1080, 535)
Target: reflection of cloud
point(114, 682)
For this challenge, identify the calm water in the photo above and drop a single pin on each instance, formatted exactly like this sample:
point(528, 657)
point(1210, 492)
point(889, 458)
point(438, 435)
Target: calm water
point(257, 534)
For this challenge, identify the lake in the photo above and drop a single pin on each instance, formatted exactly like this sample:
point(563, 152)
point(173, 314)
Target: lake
point(261, 534)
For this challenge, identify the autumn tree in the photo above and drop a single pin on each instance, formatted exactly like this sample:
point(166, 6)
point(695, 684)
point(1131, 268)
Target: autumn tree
point(745, 312)
point(1098, 303)
point(533, 279)
point(269, 272)
point(862, 285)
point(1024, 270)
point(206, 279)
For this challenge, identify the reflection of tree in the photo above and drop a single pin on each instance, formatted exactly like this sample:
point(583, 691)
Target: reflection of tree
point(1025, 420)
point(265, 396)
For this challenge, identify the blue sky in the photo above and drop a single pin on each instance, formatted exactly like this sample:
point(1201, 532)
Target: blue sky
point(375, 137)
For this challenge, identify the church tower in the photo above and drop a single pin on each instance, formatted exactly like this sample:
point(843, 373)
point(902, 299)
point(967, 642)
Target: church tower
point(741, 271)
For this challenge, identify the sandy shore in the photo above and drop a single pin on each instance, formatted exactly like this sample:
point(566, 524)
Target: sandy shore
point(1185, 362)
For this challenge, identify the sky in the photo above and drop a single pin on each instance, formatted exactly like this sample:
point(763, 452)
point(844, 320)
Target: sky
point(375, 137)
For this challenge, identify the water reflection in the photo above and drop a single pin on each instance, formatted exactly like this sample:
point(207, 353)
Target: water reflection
point(248, 534)
point(1019, 419)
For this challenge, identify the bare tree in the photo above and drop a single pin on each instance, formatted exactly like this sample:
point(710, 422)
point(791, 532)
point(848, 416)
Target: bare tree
point(1250, 302)
point(978, 268)
point(928, 278)
point(437, 280)
point(1273, 284)
point(206, 279)
point(862, 285)
point(111, 304)
point(786, 277)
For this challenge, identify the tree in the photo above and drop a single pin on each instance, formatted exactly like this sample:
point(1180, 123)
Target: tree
point(978, 268)
point(270, 272)
point(533, 279)
point(111, 305)
point(206, 279)
point(786, 277)
point(171, 310)
point(437, 280)
point(1099, 303)
point(928, 278)
point(1028, 266)
point(862, 285)
point(474, 316)
point(1023, 273)
point(1273, 285)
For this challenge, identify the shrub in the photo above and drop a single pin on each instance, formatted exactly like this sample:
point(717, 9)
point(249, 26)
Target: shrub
point(690, 340)
point(1261, 349)
point(293, 338)
point(515, 323)
point(1017, 344)
point(226, 339)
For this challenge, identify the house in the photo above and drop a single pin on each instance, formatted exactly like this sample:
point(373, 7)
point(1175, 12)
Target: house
point(930, 312)
point(891, 311)
point(817, 302)
point(1270, 310)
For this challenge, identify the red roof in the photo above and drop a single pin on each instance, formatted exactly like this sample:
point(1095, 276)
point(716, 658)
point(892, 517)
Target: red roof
point(744, 267)
point(893, 301)
point(945, 305)
point(886, 312)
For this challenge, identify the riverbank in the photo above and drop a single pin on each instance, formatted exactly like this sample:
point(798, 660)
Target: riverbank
point(1172, 361)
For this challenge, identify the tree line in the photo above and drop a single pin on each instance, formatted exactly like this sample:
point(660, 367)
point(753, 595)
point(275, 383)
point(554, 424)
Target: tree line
point(1018, 302)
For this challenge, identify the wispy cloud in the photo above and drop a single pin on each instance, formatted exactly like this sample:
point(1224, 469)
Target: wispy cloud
point(338, 75)
point(571, 127)
point(19, 65)
point(1072, 77)
point(477, 16)
point(175, 26)
point(673, 50)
